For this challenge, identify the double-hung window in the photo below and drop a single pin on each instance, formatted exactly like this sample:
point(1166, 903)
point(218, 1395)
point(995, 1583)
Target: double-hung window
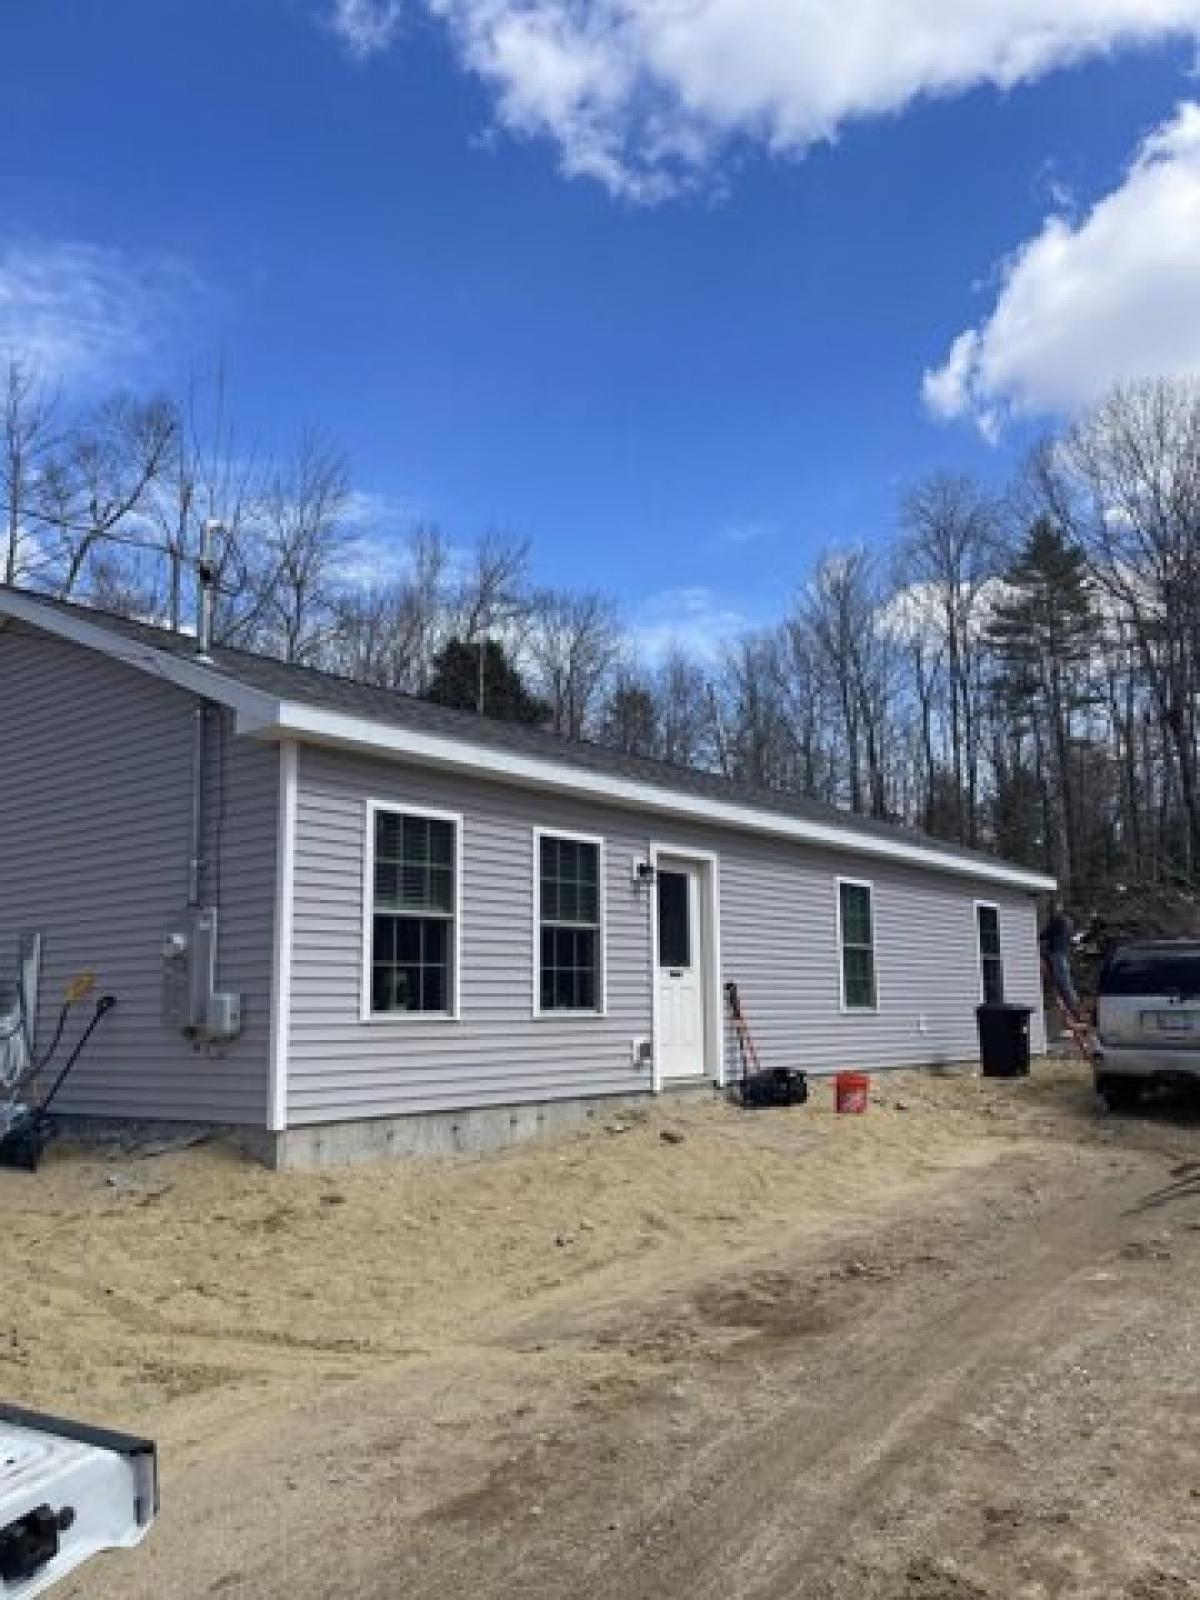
point(856, 927)
point(991, 955)
point(570, 913)
point(413, 914)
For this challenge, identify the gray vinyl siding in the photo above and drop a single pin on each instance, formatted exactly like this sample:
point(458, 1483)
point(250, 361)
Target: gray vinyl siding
point(779, 915)
point(94, 819)
point(778, 933)
point(340, 1066)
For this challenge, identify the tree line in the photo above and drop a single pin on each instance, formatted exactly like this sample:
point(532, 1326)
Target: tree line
point(1015, 671)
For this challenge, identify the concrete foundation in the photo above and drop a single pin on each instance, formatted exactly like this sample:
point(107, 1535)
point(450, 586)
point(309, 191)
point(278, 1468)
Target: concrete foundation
point(445, 1133)
point(471, 1131)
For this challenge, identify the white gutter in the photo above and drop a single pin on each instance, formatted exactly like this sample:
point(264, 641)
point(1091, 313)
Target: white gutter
point(317, 725)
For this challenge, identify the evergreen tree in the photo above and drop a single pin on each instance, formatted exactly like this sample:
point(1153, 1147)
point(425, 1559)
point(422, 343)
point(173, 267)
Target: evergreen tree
point(478, 676)
point(1042, 632)
point(630, 721)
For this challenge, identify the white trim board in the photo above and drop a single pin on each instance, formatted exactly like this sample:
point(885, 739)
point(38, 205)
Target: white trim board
point(281, 966)
point(710, 919)
point(844, 1007)
point(267, 716)
point(990, 905)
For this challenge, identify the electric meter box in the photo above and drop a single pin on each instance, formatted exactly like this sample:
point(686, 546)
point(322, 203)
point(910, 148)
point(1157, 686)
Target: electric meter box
point(191, 1002)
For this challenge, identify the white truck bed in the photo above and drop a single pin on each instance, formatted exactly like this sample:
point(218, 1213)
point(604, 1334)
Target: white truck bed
point(67, 1492)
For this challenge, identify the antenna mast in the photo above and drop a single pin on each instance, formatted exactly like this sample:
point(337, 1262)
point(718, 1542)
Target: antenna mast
point(206, 577)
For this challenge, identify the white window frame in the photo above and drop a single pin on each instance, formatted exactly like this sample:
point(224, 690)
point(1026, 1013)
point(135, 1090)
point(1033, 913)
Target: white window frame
point(409, 1019)
point(561, 1014)
point(843, 1005)
point(976, 907)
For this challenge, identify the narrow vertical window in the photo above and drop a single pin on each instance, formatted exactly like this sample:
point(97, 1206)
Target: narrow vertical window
point(674, 919)
point(414, 896)
point(991, 956)
point(856, 921)
point(569, 923)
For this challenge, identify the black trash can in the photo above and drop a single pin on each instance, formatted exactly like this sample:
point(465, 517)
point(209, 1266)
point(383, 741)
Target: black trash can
point(1004, 1040)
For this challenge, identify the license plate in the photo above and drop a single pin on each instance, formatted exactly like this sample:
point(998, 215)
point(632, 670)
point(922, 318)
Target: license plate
point(1174, 1021)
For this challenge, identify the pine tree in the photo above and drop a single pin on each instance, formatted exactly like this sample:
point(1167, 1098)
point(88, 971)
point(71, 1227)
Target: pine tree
point(630, 720)
point(1042, 632)
point(478, 676)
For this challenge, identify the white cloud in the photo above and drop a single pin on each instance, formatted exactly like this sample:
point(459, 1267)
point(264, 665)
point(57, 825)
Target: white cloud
point(643, 94)
point(371, 560)
point(1050, 186)
point(366, 27)
point(695, 619)
point(916, 614)
point(369, 511)
point(741, 535)
point(375, 551)
point(1086, 304)
point(79, 312)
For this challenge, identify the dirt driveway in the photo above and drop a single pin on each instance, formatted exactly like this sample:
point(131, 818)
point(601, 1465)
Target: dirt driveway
point(947, 1351)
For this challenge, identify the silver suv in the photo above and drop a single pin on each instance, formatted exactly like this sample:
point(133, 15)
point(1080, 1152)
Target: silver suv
point(1148, 1019)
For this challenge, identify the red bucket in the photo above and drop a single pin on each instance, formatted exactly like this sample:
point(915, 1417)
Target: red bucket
point(852, 1091)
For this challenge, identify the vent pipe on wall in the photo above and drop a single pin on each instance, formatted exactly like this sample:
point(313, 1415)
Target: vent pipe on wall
point(205, 584)
point(196, 827)
point(191, 1001)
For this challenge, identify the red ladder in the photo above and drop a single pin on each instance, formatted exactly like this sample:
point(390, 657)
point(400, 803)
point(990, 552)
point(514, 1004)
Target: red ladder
point(1078, 1030)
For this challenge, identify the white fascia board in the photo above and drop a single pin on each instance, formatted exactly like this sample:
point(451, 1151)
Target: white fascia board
point(256, 710)
point(319, 726)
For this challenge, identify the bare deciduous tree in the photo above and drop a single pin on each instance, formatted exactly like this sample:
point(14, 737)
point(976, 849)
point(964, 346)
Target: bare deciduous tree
point(952, 549)
point(1126, 480)
point(28, 430)
point(492, 592)
point(840, 613)
point(574, 644)
point(102, 479)
point(753, 711)
point(685, 731)
point(303, 536)
point(391, 634)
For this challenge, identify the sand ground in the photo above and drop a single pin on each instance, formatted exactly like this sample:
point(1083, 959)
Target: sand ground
point(947, 1350)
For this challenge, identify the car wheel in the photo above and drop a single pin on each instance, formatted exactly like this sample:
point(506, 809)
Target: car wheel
point(1118, 1093)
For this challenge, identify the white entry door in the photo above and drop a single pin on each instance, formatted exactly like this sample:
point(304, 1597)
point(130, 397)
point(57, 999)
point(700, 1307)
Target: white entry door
point(681, 970)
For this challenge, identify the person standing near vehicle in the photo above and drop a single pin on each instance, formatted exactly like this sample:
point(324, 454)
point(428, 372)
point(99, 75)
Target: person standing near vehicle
point(1055, 940)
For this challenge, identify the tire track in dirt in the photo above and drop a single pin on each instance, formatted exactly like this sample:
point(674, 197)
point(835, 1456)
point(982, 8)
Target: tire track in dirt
point(953, 1359)
point(756, 1509)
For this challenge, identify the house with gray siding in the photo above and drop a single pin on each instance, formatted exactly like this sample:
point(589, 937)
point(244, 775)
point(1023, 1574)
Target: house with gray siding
point(344, 921)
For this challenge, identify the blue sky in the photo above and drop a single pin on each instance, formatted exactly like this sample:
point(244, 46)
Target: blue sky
point(671, 324)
